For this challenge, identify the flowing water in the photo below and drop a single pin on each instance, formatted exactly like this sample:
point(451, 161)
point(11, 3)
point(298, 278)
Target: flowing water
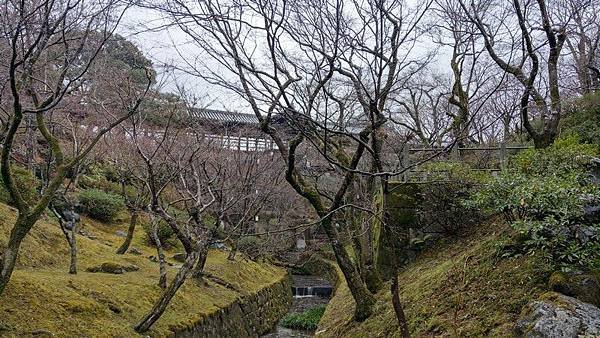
point(309, 292)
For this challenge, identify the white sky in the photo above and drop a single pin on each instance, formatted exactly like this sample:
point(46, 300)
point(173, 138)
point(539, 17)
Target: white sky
point(139, 26)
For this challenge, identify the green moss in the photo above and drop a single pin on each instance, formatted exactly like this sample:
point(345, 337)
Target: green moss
point(459, 288)
point(88, 304)
point(558, 280)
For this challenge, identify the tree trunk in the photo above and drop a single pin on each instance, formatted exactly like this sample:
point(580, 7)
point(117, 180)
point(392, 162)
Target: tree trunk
point(362, 296)
point(398, 307)
point(162, 264)
point(166, 296)
point(203, 254)
point(73, 250)
point(9, 257)
point(130, 231)
point(233, 250)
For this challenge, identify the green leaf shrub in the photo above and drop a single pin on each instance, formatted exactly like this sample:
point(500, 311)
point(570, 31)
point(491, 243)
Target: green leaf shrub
point(583, 118)
point(543, 194)
point(250, 245)
point(101, 205)
point(307, 320)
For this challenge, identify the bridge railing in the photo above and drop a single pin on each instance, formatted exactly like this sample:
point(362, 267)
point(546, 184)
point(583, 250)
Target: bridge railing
point(485, 158)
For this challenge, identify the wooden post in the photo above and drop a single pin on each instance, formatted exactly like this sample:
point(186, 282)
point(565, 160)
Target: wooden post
point(503, 155)
point(405, 162)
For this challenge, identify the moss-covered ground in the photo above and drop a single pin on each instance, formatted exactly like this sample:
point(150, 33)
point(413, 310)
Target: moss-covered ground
point(42, 297)
point(461, 287)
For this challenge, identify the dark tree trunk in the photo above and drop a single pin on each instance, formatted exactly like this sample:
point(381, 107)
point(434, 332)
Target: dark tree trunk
point(203, 254)
point(167, 294)
point(130, 231)
point(398, 307)
point(9, 256)
point(162, 264)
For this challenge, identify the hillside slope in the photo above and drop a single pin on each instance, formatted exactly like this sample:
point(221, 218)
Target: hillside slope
point(42, 297)
point(460, 287)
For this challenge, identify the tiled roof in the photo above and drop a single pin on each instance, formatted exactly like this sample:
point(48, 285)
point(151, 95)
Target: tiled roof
point(223, 116)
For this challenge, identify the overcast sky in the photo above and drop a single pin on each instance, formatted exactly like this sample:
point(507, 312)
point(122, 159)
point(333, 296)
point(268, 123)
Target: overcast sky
point(146, 29)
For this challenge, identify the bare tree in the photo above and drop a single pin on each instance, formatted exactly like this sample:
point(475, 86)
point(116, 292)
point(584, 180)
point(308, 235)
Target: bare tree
point(37, 33)
point(520, 54)
point(583, 40)
point(175, 160)
point(304, 59)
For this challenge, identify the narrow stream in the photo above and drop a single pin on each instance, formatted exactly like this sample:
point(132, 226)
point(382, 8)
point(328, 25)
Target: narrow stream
point(309, 292)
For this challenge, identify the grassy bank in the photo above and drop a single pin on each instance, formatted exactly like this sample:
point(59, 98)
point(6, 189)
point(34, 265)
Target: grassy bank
point(460, 287)
point(42, 296)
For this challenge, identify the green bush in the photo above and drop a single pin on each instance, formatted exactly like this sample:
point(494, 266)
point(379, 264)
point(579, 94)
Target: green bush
point(26, 184)
point(543, 194)
point(164, 231)
point(101, 205)
point(250, 245)
point(307, 320)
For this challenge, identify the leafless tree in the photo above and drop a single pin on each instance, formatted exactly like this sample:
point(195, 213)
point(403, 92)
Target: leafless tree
point(177, 179)
point(422, 109)
point(39, 33)
point(303, 61)
point(516, 35)
point(583, 41)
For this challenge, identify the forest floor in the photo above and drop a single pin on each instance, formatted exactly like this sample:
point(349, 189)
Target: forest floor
point(43, 299)
point(459, 287)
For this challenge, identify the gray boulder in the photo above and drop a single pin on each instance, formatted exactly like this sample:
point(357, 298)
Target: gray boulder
point(557, 315)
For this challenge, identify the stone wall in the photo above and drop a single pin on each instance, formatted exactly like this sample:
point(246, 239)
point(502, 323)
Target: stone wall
point(250, 316)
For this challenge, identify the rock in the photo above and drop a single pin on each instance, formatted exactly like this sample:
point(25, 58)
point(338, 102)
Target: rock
point(585, 287)
point(131, 268)
point(180, 257)
point(121, 233)
point(557, 315)
point(87, 234)
point(134, 251)
point(218, 245)
point(42, 333)
point(108, 267)
point(153, 259)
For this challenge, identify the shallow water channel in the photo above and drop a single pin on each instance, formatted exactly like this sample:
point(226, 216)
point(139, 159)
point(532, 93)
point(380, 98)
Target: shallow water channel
point(309, 292)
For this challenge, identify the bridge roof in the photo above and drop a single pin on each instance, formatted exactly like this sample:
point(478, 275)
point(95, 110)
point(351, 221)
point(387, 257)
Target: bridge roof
point(221, 116)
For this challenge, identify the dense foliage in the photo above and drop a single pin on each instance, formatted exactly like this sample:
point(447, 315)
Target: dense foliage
point(26, 183)
point(250, 245)
point(307, 320)
point(101, 205)
point(548, 196)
